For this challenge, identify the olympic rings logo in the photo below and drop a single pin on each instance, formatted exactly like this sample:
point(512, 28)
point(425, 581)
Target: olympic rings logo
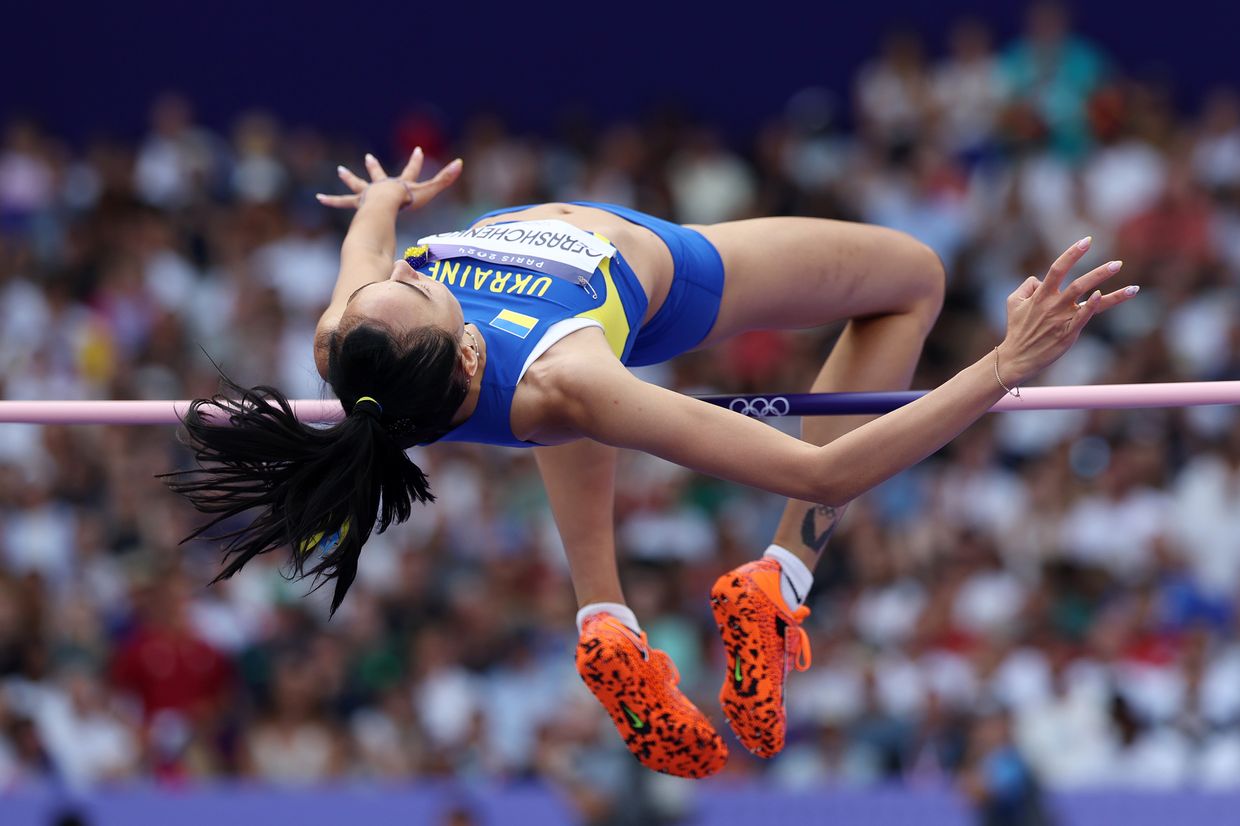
point(759, 406)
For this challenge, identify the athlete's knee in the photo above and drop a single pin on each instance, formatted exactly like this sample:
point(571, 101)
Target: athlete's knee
point(927, 280)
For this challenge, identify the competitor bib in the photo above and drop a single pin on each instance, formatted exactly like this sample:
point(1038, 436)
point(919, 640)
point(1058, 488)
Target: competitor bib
point(552, 247)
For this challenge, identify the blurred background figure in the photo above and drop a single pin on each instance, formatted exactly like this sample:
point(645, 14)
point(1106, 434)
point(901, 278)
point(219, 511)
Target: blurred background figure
point(997, 779)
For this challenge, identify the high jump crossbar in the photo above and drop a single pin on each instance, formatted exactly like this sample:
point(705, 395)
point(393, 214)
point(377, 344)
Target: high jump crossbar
point(763, 405)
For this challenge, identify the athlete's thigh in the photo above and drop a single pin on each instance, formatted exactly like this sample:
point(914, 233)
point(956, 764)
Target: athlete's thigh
point(803, 272)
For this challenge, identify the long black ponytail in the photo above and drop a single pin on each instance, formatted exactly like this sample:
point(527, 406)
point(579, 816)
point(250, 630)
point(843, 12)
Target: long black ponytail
point(321, 490)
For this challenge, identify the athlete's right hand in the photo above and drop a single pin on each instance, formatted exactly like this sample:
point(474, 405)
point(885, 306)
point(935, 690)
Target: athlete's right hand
point(415, 194)
point(1043, 321)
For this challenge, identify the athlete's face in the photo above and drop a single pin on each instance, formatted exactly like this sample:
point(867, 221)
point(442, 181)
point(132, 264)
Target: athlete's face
point(408, 300)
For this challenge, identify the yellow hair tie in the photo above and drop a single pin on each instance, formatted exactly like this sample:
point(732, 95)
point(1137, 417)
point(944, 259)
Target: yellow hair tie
point(372, 401)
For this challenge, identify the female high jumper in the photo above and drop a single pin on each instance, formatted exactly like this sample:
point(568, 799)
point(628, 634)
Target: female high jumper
point(518, 331)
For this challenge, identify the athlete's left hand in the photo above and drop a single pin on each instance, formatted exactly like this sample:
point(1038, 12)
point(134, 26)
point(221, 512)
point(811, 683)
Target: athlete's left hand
point(416, 194)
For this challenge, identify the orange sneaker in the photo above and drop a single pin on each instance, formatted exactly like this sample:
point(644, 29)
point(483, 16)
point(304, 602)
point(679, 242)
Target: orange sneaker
point(764, 640)
point(637, 686)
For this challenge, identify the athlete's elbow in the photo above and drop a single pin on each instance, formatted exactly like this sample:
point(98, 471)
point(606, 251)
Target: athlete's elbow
point(828, 487)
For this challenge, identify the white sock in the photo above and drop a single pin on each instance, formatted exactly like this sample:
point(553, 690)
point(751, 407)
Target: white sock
point(616, 609)
point(797, 579)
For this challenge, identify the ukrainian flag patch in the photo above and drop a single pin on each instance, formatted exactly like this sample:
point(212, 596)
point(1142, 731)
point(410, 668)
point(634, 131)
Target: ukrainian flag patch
point(518, 324)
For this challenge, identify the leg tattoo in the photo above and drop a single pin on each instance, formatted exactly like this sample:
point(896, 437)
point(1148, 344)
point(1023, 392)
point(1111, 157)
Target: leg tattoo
point(819, 523)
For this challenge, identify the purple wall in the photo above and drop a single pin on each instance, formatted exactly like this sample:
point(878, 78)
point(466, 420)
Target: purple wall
point(235, 806)
point(93, 67)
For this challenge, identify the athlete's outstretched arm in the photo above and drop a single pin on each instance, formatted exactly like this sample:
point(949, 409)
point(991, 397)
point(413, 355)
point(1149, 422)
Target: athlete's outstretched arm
point(605, 402)
point(370, 245)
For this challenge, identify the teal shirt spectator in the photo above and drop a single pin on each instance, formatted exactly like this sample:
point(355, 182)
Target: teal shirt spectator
point(1057, 80)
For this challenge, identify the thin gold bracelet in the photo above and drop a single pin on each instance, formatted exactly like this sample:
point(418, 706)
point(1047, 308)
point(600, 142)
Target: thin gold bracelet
point(1011, 391)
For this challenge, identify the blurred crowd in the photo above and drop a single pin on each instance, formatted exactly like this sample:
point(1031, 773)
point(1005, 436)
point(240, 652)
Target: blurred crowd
point(1050, 602)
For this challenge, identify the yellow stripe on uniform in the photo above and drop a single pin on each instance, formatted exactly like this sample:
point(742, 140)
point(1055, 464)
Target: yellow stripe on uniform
point(611, 313)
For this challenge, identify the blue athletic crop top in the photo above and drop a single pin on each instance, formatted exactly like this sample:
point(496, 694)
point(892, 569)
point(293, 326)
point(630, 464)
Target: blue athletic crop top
point(513, 308)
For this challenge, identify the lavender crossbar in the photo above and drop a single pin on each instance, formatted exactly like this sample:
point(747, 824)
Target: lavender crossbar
point(1177, 394)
